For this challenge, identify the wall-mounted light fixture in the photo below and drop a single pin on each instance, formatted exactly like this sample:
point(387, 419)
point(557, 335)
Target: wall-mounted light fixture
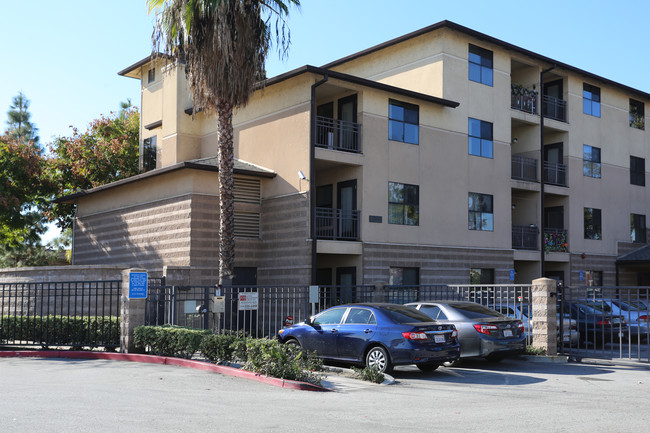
point(301, 175)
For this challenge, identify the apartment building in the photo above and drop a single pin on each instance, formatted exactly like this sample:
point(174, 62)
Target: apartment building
point(437, 157)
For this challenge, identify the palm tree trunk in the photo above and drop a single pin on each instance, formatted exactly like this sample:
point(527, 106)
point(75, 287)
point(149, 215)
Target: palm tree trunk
point(226, 188)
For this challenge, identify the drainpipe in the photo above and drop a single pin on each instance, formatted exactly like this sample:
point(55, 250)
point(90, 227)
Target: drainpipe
point(541, 160)
point(74, 224)
point(312, 172)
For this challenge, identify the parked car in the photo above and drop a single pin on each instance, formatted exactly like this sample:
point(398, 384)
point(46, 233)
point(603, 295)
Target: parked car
point(378, 336)
point(482, 332)
point(524, 312)
point(596, 323)
point(635, 312)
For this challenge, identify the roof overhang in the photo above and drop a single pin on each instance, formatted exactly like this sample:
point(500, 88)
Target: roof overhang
point(640, 256)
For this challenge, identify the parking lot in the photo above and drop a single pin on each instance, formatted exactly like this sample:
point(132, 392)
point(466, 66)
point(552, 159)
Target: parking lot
point(48, 395)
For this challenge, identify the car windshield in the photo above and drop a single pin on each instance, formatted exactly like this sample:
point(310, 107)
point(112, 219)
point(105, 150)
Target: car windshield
point(476, 311)
point(591, 308)
point(402, 314)
point(599, 306)
point(630, 306)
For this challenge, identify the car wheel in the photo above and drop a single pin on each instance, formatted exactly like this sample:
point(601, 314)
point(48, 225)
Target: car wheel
point(428, 366)
point(293, 343)
point(377, 358)
point(494, 357)
point(455, 363)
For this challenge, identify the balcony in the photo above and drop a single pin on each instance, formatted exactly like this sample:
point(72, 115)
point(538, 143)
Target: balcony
point(336, 134)
point(523, 99)
point(555, 173)
point(524, 237)
point(554, 108)
point(555, 240)
point(337, 224)
point(523, 168)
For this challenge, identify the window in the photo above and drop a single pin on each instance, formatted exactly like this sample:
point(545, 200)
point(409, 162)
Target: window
point(593, 225)
point(591, 161)
point(149, 153)
point(481, 276)
point(593, 278)
point(151, 75)
point(404, 277)
point(480, 138)
point(330, 317)
point(480, 65)
point(480, 212)
point(360, 316)
point(591, 100)
point(403, 204)
point(637, 114)
point(403, 122)
point(637, 171)
point(637, 228)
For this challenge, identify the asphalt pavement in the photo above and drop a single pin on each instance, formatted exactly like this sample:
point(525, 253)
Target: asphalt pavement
point(71, 395)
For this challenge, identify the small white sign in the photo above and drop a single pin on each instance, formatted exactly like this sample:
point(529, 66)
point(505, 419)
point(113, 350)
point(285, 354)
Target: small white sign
point(189, 307)
point(219, 304)
point(313, 294)
point(248, 301)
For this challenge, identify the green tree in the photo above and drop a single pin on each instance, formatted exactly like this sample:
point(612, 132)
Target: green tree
point(224, 44)
point(106, 152)
point(19, 126)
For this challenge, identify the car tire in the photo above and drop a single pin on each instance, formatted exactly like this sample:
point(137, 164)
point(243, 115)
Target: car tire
point(293, 343)
point(427, 366)
point(455, 363)
point(377, 358)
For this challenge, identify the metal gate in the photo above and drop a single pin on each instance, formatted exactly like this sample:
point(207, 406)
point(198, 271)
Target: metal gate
point(611, 322)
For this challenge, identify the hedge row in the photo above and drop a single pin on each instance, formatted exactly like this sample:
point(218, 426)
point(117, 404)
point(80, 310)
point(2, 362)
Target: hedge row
point(263, 356)
point(72, 331)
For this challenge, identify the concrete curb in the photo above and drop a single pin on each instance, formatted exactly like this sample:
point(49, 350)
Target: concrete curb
point(165, 360)
point(558, 359)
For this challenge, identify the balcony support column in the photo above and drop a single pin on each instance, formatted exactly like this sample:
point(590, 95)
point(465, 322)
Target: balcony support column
point(541, 158)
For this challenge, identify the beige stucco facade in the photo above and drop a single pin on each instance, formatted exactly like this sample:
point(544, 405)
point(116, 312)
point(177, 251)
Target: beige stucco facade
point(331, 124)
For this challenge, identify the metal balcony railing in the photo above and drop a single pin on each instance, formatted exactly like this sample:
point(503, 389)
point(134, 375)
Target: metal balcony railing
point(526, 103)
point(524, 237)
point(523, 168)
point(337, 224)
point(338, 134)
point(555, 173)
point(554, 108)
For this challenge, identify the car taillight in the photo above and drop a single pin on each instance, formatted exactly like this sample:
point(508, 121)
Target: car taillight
point(454, 333)
point(485, 329)
point(415, 335)
point(520, 325)
point(643, 318)
point(603, 322)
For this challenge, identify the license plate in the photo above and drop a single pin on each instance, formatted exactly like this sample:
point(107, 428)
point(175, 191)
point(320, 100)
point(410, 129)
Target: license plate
point(507, 333)
point(439, 338)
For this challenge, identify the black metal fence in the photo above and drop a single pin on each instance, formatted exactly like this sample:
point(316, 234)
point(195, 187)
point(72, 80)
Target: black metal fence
point(76, 314)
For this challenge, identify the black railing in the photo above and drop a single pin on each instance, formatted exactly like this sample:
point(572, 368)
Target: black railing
point(523, 168)
point(337, 224)
point(524, 237)
point(526, 103)
point(554, 108)
point(338, 134)
point(555, 173)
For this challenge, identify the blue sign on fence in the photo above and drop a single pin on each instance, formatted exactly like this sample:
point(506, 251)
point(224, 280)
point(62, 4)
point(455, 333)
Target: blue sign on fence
point(138, 285)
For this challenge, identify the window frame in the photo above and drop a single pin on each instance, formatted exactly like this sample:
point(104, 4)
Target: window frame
point(399, 273)
point(637, 171)
point(484, 141)
point(591, 161)
point(151, 75)
point(593, 223)
point(478, 210)
point(479, 62)
point(485, 276)
point(404, 203)
point(149, 153)
point(637, 114)
point(591, 100)
point(409, 118)
point(638, 228)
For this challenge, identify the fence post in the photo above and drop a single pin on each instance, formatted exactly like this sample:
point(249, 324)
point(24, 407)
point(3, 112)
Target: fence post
point(131, 313)
point(544, 305)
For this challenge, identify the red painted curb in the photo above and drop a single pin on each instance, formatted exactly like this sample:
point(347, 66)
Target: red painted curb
point(164, 360)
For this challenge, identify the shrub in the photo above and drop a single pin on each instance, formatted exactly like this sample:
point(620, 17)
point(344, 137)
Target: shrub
point(168, 340)
point(369, 374)
point(219, 348)
point(530, 350)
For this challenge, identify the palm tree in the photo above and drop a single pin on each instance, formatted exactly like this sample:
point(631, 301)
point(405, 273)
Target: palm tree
point(223, 44)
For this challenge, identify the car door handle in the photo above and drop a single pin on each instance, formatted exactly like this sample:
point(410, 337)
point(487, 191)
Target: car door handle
point(334, 330)
point(367, 331)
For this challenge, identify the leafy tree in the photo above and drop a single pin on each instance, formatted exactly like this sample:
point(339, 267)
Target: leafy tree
point(106, 152)
point(224, 44)
point(19, 126)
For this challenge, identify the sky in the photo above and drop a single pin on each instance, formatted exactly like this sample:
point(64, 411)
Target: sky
point(64, 56)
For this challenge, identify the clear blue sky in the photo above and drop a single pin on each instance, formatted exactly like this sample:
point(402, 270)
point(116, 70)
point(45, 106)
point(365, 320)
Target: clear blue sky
point(65, 55)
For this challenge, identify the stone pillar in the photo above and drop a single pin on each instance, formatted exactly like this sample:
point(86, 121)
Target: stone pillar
point(544, 311)
point(131, 313)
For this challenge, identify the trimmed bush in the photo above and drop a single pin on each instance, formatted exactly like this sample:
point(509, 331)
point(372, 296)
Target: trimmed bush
point(168, 340)
point(220, 348)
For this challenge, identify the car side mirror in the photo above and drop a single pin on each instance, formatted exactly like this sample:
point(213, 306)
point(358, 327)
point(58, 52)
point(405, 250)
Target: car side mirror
point(309, 321)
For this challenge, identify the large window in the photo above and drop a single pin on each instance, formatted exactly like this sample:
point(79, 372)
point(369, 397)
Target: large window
point(637, 228)
point(591, 100)
point(403, 204)
point(637, 171)
point(481, 276)
point(481, 215)
point(593, 224)
point(403, 122)
point(480, 65)
point(149, 153)
point(637, 114)
point(480, 138)
point(404, 277)
point(591, 161)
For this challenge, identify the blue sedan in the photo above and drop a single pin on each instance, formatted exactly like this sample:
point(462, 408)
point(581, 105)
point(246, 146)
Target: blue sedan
point(379, 336)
